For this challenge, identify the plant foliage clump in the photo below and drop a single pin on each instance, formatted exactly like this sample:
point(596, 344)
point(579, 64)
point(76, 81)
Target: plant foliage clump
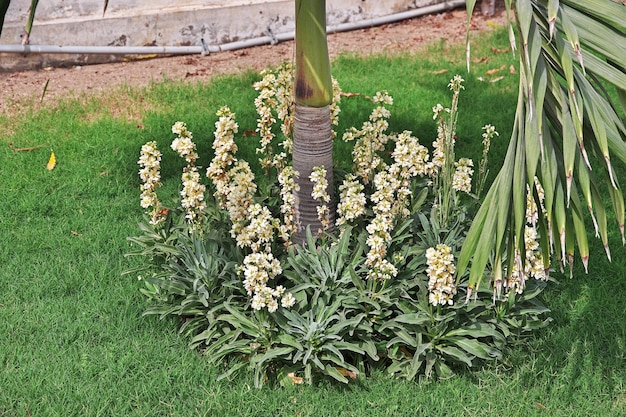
point(377, 289)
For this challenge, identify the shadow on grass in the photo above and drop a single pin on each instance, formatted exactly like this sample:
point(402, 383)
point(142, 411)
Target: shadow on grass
point(584, 349)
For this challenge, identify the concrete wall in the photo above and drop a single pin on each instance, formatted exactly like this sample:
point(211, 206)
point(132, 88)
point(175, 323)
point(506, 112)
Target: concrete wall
point(160, 23)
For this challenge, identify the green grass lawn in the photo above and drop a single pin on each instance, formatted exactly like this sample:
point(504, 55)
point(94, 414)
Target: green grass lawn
point(72, 339)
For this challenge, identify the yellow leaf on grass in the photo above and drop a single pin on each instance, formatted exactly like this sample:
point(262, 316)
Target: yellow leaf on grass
point(52, 162)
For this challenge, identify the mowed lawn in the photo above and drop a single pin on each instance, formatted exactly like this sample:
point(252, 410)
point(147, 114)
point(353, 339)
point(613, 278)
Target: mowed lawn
point(72, 338)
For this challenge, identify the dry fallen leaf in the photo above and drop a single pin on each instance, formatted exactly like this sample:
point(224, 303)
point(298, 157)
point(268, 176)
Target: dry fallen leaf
point(494, 70)
point(512, 70)
point(442, 71)
point(52, 162)
point(75, 233)
point(27, 149)
point(406, 352)
point(500, 51)
point(295, 379)
point(495, 80)
point(346, 372)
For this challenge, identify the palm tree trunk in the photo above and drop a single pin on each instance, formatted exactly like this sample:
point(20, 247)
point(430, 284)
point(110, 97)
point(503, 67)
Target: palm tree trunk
point(488, 7)
point(4, 6)
point(312, 127)
point(312, 146)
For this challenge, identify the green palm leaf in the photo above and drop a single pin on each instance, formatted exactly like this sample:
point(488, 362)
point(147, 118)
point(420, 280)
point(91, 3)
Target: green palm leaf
point(566, 132)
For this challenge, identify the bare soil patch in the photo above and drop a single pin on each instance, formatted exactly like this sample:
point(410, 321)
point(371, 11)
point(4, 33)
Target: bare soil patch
point(409, 36)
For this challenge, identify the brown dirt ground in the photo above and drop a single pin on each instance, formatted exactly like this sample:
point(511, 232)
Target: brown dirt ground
point(19, 88)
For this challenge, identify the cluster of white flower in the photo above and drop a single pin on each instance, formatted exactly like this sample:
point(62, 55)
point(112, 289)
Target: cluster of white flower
point(462, 180)
point(438, 110)
point(264, 102)
point(240, 191)
point(275, 103)
point(449, 176)
point(225, 167)
point(382, 270)
point(443, 146)
point(391, 183)
point(252, 223)
point(256, 231)
point(456, 84)
point(381, 226)
point(533, 265)
point(319, 193)
point(351, 200)
point(440, 271)
point(183, 144)
point(287, 178)
point(410, 156)
point(532, 210)
point(516, 280)
point(150, 163)
point(224, 150)
point(258, 268)
point(192, 194)
point(370, 139)
point(410, 160)
point(488, 134)
point(382, 97)
point(392, 194)
point(334, 105)
point(439, 150)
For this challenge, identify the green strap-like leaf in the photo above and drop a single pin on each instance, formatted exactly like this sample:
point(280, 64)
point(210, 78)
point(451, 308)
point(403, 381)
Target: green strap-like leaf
point(524, 17)
point(456, 353)
point(476, 348)
point(618, 203)
point(469, 7)
point(608, 12)
point(333, 372)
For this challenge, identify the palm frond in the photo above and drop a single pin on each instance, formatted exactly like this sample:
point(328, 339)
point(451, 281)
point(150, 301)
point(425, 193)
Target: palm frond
point(566, 132)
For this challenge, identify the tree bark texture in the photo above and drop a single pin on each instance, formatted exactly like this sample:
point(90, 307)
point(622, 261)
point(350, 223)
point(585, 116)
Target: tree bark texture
point(488, 7)
point(312, 146)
